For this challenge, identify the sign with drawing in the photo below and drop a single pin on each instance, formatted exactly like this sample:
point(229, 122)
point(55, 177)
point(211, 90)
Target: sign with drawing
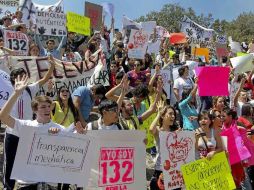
point(177, 148)
point(137, 44)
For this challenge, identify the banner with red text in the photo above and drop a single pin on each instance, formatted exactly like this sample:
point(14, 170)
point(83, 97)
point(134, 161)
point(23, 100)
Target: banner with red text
point(120, 161)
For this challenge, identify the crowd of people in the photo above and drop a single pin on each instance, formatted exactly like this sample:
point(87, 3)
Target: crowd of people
point(134, 100)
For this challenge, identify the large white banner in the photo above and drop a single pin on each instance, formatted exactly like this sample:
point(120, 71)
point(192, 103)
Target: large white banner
point(137, 44)
point(195, 32)
point(176, 149)
point(61, 158)
point(6, 88)
point(8, 6)
point(29, 9)
point(119, 162)
point(68, 74)
point(16, 41)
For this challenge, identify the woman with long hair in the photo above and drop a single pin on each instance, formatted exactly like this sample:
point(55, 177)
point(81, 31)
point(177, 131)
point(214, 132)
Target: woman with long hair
point(164, 121)
point(208, 139)
point(63, 110)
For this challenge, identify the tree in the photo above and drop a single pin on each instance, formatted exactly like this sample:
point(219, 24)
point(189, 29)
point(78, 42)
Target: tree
point(170, 17)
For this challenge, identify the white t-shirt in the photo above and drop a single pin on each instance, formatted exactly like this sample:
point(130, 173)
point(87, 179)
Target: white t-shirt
point(22, 108)
point(101, 126)
point(181, 84)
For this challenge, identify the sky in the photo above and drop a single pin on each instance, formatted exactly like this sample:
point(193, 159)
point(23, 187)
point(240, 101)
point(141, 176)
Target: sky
point(222, 9)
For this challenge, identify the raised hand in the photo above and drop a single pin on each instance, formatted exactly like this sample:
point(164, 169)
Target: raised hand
point(80, 129)
point(160, 107)
point(21, 83)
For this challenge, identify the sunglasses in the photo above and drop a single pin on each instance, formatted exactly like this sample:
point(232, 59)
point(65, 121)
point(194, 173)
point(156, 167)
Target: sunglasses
point(112, 109)
point(64, 91)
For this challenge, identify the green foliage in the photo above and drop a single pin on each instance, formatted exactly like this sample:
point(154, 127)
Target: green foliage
point(170, 16)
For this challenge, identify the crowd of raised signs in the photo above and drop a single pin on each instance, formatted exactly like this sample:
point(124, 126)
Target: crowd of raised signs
point(140, 77)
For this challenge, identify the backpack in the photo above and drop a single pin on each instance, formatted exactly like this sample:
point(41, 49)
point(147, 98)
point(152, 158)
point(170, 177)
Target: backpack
point(95, 125)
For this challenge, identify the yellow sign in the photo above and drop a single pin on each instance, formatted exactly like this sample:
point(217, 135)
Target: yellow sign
point(208, 175)
point(78, 23)
point(240, 54)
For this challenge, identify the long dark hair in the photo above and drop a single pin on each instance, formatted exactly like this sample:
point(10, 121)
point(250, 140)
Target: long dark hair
point(70, 104)
point(211, 116)
point(173, 127)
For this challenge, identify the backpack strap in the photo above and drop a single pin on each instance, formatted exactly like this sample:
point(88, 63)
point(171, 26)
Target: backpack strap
point(95, 125)
point(119, 126)
point(29, 92)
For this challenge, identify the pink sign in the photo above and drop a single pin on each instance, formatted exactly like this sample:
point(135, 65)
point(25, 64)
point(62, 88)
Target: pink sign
point(116, 166)
point(213, 81)
point(236, 147)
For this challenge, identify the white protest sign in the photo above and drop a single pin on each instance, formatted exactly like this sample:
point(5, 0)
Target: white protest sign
point(243, 63)
point(148, 26)
point(176, 149)
point(68, 74)
point(154, 47)
point(195, 32)
point(109, 8)
point(235, 46)
point(61, 158)
point(8, 6)
point(166, 78)
point(6, 88)
point(221, 39)
point(120, 160)
point(51, 23)
point(16, 41)
point(30, 8)
point(137, 44)
point(192, 65)
point(162, 32)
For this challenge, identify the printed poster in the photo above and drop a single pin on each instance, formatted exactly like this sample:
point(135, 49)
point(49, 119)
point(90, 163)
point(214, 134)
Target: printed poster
point(120, 161)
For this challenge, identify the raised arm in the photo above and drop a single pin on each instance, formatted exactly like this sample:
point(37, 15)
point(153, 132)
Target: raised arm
point(5, 117)
point(152, 107)
point(151, 82)
point(125, 86)
point(153, 127)
point(49, 73)
point(238, 91)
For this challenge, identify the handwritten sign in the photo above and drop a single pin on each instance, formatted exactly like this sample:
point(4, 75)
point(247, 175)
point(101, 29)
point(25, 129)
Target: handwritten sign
point(51, 23)
point(78, 23)
point(68, 74)
point(16, 41)
point(6, 88)
point(213, 81)
point(208, 175)
point(195, 32)
point(137, 44)
point(221, 39)
point(8, 7)
point(29, 10)
point(120, 163)
point(94, 12)
point(176, 149)
point(61, 158)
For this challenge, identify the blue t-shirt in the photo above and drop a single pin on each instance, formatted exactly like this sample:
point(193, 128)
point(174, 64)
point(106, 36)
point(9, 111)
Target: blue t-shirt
point(86, 100)
point(186, 112)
